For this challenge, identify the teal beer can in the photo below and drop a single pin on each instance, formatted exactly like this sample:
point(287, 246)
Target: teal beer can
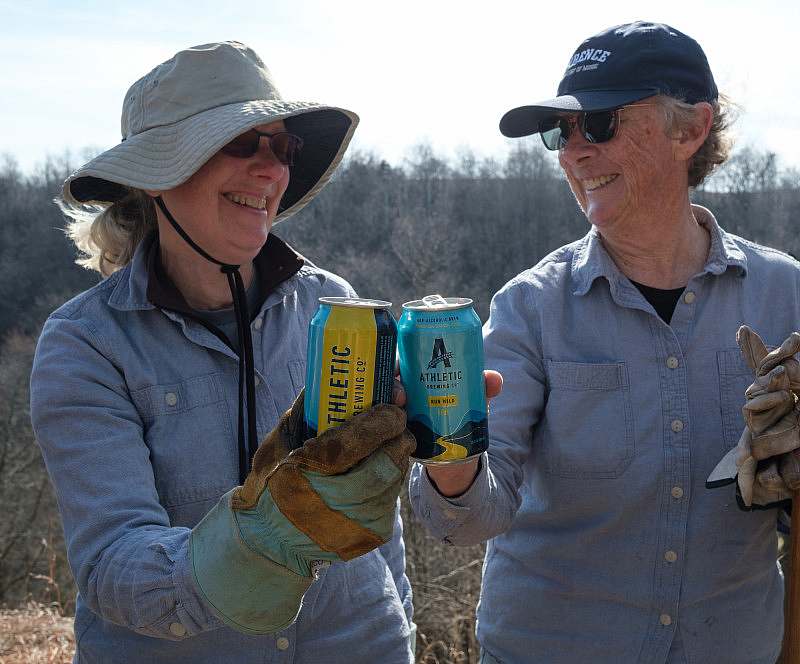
point(441, 364)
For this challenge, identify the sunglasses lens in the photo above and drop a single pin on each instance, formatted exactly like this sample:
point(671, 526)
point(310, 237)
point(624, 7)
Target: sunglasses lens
point(244, 145)
point(286, 147)
point(554, 132)
point(600, 126)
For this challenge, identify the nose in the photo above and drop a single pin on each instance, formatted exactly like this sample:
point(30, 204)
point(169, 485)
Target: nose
point(577, 148)
point(264, 163)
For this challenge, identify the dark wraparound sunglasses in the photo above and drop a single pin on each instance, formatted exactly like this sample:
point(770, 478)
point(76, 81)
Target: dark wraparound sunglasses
point(595, 126)
point(285, 146)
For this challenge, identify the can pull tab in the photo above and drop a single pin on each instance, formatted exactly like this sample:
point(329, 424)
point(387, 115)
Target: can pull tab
point(434, 301)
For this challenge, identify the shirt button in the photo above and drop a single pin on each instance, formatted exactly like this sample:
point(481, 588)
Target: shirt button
point(282, 642)
point(670, 556)
point(672, 362)
point(171, 398)
point(258, 323)
point(450, 513)
point(665, 619)
point(677, 426)
point(689, 297)
point(677, 492)
point(257, 381)
point(177, 629)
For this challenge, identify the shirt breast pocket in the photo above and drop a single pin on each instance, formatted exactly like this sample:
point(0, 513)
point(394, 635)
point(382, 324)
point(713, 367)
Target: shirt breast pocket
point(193, 449)
point(587, 428)
point(734, 378)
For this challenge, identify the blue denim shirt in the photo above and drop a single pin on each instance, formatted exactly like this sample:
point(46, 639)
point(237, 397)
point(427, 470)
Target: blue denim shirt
point(604, 544)
point(135, 410)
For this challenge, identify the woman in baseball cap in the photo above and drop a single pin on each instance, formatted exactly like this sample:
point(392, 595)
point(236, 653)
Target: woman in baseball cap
point(150, 392)
point(624, 386)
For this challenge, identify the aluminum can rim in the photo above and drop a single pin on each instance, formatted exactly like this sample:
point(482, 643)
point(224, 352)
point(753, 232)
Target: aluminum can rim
point(356, 302)
point(434, 303)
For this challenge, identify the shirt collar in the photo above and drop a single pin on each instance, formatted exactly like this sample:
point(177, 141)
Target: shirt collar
point(144, 284)
point(591, 260)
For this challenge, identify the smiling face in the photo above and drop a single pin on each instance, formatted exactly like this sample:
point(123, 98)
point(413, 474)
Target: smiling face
point(227, 207)
point(633, 176)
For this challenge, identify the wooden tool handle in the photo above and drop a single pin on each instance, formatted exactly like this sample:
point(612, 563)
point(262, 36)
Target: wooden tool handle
point(791, 624)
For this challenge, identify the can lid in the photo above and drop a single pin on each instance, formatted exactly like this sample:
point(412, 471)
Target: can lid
point(437, 303)
point(357, 302)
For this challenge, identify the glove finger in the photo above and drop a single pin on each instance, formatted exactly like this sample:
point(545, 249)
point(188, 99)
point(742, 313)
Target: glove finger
point(768, 497)
point(270, 452)
point(787, 349)
point(743, 451)
point(778, 439)
point(745, 480)
point(752, 347)
point(337, 450)
point(775, 381)
point(792, 367)
point(765, 410)
point(288, 436)
point(399, 450)
point(789, 468)
point(767, 475)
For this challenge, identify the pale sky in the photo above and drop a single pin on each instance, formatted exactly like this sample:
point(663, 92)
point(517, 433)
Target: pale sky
point(436, 71)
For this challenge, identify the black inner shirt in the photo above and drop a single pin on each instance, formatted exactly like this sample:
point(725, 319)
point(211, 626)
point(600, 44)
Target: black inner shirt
point(662, 300)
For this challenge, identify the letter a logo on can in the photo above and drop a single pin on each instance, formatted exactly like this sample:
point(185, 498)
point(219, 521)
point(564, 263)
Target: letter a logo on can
point(439, 354)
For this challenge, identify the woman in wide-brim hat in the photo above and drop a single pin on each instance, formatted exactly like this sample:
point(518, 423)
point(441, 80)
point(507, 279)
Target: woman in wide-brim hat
point(150, 392)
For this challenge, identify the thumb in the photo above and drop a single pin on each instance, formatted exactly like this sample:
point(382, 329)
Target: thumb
point(337, 450)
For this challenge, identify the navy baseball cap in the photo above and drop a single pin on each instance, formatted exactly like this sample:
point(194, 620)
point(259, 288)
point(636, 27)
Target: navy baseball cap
point(619, 66)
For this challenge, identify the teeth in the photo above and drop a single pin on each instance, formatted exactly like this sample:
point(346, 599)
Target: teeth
point(591, 184)
point(249, 201)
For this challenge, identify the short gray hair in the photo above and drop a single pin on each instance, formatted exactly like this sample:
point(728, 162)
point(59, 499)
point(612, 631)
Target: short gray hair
point(717, 147)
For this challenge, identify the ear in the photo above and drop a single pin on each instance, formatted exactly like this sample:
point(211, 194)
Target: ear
point(690, 138)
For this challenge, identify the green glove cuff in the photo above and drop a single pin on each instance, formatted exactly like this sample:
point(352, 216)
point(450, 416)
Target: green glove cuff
point(247, 591)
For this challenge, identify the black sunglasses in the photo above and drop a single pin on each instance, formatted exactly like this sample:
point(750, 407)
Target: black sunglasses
point(285, 146)
point(595, 126)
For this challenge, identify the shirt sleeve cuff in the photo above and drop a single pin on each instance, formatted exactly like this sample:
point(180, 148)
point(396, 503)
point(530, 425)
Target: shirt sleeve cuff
point(193, 612)
point(444, 514)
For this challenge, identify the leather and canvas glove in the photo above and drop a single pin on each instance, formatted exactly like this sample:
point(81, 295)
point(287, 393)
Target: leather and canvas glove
point(332, 498)
point(765, 463)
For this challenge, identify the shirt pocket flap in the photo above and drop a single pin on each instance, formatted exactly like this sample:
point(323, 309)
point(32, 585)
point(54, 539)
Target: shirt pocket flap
point(174, 398)
point(583, 376)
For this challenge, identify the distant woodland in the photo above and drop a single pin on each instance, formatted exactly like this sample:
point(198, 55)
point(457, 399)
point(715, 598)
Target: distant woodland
point(459, 227)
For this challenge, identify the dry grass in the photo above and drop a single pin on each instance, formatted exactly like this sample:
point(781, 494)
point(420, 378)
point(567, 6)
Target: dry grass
point(446, 582)
point(35, 635)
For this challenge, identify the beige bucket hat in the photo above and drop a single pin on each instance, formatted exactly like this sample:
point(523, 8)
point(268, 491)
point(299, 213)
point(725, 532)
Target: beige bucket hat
point(179, 115)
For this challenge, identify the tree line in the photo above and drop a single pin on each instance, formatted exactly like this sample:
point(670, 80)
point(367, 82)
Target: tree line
point(459, 227)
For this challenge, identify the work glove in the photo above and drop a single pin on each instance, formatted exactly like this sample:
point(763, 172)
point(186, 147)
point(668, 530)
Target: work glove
point(303, 505)
point(765, 463)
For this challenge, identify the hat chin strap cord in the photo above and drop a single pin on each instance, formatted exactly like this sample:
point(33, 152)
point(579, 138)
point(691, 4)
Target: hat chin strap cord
point(248, 443)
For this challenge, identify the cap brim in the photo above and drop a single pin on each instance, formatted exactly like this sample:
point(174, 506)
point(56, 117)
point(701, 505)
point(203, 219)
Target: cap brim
point(164, 157)
point(524, 120)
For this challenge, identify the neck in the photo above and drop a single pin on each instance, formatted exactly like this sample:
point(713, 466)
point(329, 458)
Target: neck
point(661, 250)
point(202, 284)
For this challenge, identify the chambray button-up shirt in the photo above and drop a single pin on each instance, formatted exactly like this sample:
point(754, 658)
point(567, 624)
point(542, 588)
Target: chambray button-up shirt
point(135, 409)
point(604, 544)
